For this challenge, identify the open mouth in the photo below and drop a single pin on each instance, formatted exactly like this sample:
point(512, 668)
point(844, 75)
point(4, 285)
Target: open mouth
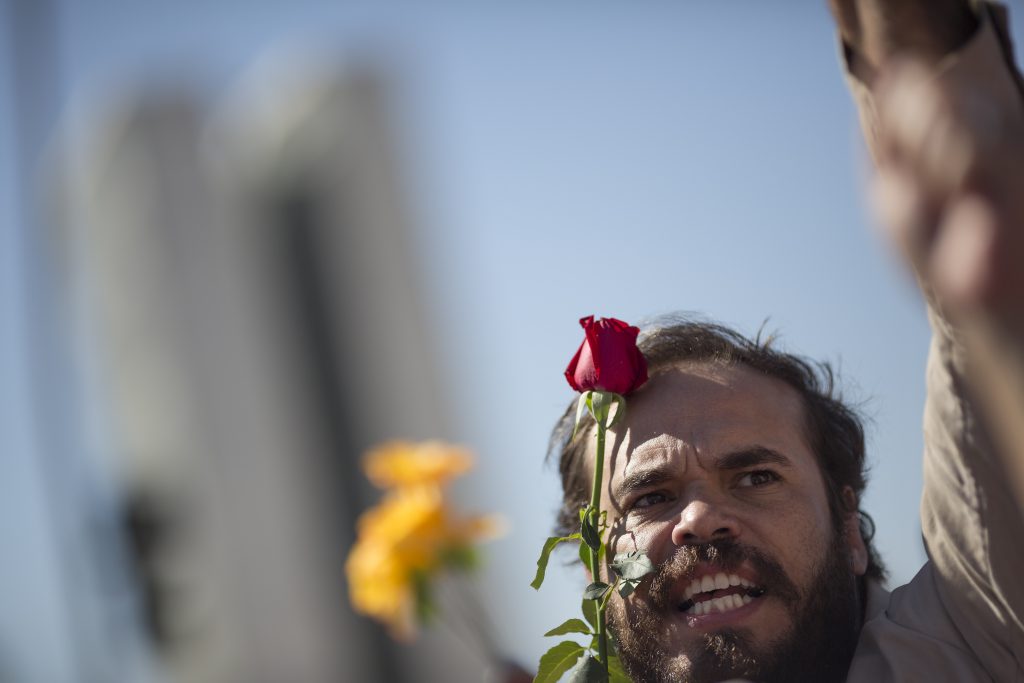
point(719, 592)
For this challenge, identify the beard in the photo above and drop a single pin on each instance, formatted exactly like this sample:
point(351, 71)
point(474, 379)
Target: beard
point(818, 646)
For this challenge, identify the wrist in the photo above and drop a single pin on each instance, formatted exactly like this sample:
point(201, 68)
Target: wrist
point(926, 30)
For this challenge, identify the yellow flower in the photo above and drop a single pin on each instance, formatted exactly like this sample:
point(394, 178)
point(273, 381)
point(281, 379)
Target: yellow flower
point(380, 587)
point(411, 534)
point(400, 463)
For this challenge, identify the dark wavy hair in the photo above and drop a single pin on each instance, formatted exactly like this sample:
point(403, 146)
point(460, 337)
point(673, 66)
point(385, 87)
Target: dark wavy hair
point(834, 429)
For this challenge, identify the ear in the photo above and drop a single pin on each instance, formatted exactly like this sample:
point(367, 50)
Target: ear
point(855, 545)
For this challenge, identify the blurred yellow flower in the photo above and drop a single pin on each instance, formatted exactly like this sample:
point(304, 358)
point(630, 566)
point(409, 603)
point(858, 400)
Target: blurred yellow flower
point(401, 463)
point(411, 535)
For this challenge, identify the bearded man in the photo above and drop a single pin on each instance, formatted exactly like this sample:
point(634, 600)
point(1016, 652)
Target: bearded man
point(739, 471)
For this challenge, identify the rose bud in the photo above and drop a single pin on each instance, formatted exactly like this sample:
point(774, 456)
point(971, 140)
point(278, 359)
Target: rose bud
point(608, 359)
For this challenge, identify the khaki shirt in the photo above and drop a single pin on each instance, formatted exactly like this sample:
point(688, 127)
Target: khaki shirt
point(962, 617)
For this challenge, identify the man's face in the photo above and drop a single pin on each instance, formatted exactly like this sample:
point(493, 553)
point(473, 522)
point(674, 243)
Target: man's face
point(710, 472)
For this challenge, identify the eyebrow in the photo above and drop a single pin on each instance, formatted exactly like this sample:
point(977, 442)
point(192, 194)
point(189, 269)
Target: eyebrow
point(749, 457)
point(644, 479)
point(735, 460)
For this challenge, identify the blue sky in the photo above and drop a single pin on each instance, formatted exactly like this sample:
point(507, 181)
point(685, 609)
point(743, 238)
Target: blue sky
point(600, 157)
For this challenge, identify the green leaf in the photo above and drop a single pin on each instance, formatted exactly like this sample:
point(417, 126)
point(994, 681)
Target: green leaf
point(587, 670)
point(545, 554)
point(588, 530)
point(585, 555)
point(616, 674)
point(462, 558)
point(632, 565)
point(423, 598)
point(620, 410)
point(627, 586)
point(570, 626)
point(581, 405)
point(590, 613)
point(557, 661)
point(595, 591)
point(599, 404)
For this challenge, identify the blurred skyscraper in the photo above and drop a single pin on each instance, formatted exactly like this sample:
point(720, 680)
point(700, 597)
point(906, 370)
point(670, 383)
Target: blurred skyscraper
point(246, 282)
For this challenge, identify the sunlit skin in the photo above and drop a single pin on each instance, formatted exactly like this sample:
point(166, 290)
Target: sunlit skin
point(711, 452)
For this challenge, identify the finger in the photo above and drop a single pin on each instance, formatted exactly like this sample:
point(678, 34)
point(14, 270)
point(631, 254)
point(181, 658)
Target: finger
point(942, 130)
point(961, 266)
point(905, 214)
point(906, 103)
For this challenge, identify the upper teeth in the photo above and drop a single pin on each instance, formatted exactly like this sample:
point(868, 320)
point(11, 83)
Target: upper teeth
point(717, 582)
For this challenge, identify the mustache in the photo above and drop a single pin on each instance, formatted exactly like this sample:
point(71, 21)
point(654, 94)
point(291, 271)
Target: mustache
point(728, 555)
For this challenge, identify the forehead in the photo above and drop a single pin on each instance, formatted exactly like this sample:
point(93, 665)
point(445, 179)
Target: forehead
point(710, 409)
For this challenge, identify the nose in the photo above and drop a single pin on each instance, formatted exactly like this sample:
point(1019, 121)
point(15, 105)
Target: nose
point(704, 520)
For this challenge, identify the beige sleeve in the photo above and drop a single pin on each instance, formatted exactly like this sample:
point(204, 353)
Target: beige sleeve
point(972, 526)
point(986, 62)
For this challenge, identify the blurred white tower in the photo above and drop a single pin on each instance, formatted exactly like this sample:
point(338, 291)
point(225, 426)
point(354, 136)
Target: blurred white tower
point(254, 296)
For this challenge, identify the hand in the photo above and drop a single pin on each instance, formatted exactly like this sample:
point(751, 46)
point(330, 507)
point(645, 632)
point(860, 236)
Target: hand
point(950, 191)
point(879, 30)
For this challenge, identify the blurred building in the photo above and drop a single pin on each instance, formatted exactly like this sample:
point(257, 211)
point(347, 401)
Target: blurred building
point(242, 269)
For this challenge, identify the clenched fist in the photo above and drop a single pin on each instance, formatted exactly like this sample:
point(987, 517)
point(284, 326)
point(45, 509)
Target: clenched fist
point(950, 189)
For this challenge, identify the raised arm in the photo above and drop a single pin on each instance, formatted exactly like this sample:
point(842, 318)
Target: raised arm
point(943, 114)
point(942, 110)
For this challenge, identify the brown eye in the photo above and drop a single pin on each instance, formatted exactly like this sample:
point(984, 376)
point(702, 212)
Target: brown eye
point(649, 500)
point(757, 478)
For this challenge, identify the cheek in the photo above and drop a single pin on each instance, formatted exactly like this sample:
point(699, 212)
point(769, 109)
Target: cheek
point(654, 538)
point(796, 538)
point(812, 523)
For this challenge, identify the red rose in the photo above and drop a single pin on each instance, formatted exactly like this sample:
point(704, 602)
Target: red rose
point(608, 359)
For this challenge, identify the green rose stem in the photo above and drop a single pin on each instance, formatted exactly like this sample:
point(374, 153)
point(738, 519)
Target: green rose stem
point(595, 555)
point(468, 621)
point(598, 403)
